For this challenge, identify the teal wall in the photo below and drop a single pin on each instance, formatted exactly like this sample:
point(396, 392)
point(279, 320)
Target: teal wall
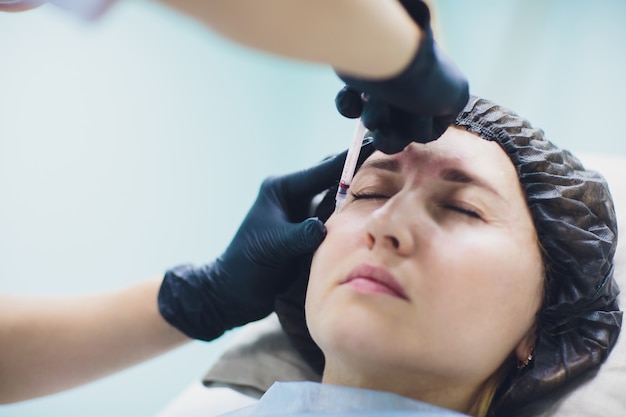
point(560, 63)
point(139, 142)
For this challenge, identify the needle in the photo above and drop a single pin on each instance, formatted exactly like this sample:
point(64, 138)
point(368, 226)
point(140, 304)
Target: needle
point(350, 165)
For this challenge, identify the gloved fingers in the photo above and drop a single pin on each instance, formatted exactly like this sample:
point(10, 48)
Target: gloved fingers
point(326, 206)
point(395, 128)
point(375, 114)
point(419, 12)
point(348, 102)
point(419, 128)
point(311, 181)
point(378, 117)
point(367, 149)
point(440, 125)
point(303, 238)
point(388, 142)
point(276, 245)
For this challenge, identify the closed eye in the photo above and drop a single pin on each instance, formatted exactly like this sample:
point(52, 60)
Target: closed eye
point(463, 210)
point(368, 196)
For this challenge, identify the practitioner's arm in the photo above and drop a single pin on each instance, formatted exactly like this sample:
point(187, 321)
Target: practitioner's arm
point(368, 38)
point(49, 344)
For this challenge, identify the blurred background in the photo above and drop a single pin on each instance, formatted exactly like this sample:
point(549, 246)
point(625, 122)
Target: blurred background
point(138, 142)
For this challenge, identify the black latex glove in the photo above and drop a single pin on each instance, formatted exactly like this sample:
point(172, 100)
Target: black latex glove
point(418, 104)
point(240, 286)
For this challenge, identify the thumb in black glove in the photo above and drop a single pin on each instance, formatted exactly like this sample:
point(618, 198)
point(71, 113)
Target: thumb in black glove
point(240, 286)
point(418, 104)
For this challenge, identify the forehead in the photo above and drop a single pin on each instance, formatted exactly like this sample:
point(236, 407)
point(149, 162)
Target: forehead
point(457, 149)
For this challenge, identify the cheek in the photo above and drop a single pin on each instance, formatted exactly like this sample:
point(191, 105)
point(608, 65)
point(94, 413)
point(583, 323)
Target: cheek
point(319, 289)
point(486, 298)
point(502, 271)
point(344, 234)
point(328, 253)
point(341, 240)
point(328, 265)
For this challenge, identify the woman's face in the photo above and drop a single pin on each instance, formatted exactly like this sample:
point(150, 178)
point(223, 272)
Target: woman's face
point(431, 268)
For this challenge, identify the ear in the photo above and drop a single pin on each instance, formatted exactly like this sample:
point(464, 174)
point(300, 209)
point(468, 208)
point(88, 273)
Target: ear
point(525, 346)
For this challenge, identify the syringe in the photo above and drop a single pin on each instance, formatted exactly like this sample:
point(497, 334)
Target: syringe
point(350, 165)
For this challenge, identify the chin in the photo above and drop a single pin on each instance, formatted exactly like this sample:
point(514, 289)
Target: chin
point(354, 329)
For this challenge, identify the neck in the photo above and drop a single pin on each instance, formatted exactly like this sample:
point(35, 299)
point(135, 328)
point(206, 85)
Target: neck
point(430, 389)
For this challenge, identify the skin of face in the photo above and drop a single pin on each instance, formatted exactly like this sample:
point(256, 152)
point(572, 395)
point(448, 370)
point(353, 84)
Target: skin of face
point(430, 276)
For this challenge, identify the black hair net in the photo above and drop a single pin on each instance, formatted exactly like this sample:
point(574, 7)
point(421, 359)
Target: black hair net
point(573, 213)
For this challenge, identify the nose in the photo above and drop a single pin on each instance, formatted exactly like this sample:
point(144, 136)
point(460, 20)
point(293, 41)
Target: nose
point(388, 228)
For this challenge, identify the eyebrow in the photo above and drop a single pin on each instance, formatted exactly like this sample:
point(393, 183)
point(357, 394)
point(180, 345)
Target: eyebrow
point(462, 177)
point(455, 175)
point(391, 165)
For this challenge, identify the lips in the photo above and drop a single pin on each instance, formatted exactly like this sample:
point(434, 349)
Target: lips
point(373, 279)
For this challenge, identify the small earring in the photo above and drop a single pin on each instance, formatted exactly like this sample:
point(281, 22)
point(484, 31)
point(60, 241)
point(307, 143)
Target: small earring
point(523, 364)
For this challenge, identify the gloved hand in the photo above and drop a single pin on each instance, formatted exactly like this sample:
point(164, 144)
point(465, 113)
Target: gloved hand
point(418, 104)
point(240, 286)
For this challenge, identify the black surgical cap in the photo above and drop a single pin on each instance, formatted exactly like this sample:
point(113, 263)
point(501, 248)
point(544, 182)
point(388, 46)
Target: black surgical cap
point(573, 214)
